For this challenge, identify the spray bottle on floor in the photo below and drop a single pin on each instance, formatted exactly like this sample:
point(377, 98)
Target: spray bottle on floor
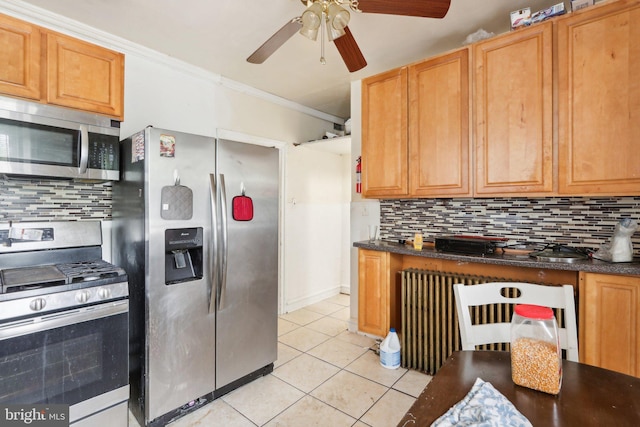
point(390, 351)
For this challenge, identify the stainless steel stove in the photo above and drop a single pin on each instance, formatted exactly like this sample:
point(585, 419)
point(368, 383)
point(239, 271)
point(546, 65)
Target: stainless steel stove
point(60, 301)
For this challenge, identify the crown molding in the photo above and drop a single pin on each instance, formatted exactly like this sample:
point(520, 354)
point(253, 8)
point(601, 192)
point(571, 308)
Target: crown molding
point(231, 135)
point(61, 24)
point(250, 90)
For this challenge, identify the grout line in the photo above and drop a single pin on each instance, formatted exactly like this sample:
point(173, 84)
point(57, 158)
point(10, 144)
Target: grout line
point(373, 348)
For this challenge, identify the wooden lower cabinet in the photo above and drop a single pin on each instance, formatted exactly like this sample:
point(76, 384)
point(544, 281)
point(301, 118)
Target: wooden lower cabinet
point(378, 291)
point(610, 322)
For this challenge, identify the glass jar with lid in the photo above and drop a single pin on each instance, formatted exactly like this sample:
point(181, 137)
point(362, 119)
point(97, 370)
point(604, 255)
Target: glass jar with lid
point(536, 356)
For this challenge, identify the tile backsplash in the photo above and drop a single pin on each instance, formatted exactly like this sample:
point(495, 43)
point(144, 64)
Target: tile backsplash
point(49, 200)
point(577, 221)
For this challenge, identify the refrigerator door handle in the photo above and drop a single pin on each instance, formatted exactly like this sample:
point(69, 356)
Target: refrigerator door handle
point(224, 243)
point(213, 247)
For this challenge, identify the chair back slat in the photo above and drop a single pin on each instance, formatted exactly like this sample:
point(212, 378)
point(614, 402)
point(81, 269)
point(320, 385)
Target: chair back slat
point(558, 297)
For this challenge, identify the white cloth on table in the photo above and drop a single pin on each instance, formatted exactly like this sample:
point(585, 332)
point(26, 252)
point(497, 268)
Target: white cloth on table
point(483, 406)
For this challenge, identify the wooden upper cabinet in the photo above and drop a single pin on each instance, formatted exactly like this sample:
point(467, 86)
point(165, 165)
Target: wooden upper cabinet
point(610, 322)
point(20, 50)
point(45, 66)
point(439, 126)
point(84, 76)
point(599, 100)
point(514, 112)
point(384, 135)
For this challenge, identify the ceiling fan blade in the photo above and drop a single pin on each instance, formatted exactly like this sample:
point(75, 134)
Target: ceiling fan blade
point(350, 51)
point(275, 41)
point(422, 8)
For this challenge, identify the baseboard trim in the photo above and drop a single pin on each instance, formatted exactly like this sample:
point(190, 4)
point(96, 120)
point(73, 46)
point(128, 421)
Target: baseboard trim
point(302, 302)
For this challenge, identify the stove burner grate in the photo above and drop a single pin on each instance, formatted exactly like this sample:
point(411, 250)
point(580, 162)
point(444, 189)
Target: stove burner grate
point(48, 276)
point(89, 270)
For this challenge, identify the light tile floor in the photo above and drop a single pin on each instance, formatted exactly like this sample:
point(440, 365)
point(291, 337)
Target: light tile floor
point(324, 376)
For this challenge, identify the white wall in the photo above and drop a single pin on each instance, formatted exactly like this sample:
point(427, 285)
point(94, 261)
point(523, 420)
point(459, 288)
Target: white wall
point(170, 94)
point(345, 241)
point(317, 229)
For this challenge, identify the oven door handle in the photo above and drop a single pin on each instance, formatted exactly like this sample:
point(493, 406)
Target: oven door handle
point(59, 320)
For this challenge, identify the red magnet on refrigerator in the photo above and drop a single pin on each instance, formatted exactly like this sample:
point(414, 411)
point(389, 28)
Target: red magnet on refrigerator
point(242, 207)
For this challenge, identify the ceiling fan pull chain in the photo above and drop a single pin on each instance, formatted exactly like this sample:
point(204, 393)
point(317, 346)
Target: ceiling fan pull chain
point(322, 60)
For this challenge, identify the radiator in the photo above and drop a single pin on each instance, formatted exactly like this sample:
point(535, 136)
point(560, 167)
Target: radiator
point(430, 331)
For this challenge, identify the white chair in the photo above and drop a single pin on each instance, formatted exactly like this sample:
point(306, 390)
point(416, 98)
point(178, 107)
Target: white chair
point(491, 293)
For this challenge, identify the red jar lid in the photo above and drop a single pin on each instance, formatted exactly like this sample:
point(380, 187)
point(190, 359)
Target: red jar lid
point(534, 311)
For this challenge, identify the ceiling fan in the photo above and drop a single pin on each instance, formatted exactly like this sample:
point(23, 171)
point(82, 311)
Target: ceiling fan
point(336, 18)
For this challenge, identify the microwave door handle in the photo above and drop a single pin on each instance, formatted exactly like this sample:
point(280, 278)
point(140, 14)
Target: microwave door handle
point(84, 149)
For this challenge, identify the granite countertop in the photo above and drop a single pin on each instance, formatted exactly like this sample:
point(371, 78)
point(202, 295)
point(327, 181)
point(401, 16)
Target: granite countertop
point(508, 258)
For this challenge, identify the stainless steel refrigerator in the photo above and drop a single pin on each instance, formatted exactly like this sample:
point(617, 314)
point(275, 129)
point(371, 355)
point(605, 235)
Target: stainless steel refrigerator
point(195, 226)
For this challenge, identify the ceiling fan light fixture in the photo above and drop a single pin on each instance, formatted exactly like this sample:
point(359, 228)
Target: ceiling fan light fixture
point(334, 33)
point(311, 20)
point(338, 17)
point(310, 33)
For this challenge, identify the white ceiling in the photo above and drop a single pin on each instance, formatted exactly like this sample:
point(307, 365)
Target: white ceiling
point(218, 35)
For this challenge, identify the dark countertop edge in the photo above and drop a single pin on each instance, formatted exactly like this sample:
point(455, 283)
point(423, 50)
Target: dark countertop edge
point(520, 260)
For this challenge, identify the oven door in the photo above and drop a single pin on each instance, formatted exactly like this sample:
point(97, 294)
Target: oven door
point(66, 358)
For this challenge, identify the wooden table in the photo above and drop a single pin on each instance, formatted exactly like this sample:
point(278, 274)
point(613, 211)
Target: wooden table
point(589, 396)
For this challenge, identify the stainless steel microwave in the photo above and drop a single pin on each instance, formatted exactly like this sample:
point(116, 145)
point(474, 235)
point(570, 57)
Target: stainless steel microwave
point(44, 141)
